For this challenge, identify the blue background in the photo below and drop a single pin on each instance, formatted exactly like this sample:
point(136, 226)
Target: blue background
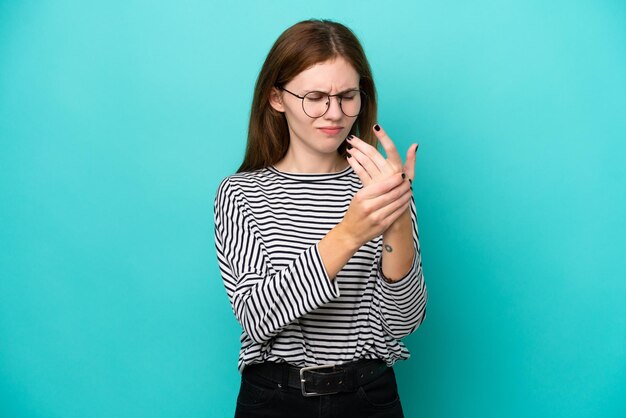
point(118, 120)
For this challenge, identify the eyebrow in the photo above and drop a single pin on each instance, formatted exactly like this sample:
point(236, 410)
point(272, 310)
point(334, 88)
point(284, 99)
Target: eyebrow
point(322, 91)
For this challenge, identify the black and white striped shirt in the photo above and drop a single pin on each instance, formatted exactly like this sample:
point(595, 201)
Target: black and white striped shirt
point(267, 227)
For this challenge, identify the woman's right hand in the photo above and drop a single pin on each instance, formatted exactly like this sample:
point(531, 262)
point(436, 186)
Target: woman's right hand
point(372, 210)
point(375, 207)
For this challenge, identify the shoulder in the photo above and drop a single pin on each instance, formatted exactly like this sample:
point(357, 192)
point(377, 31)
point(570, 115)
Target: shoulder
point(236, 186)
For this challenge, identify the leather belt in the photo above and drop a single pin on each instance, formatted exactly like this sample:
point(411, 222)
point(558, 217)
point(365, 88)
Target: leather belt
point(325, 379)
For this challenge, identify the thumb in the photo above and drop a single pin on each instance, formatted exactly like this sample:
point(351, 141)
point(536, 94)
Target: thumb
point(409, 166)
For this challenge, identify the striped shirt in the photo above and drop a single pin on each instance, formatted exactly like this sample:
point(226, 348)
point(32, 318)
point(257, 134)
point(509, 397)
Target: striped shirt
point(268, 224)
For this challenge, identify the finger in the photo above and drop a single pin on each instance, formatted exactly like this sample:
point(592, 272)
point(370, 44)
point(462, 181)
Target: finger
point(390, 148)
point(359, 170)
point(396, 214)
point(372, 153)
point(392, 211)
point(381, 187)
point(391, 196)
point(409, 166)
point(366, 162)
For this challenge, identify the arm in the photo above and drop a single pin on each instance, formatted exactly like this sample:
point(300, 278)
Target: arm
point(401, 289)
point(402, 305)
point(398, 252)
point(263, 300)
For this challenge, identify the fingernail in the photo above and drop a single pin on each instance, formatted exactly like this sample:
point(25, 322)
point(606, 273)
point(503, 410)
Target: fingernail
point(349, 138)
point(349, 146)
point(411, 182)
point(403, 176)
point(376, 128)
point(349, 156)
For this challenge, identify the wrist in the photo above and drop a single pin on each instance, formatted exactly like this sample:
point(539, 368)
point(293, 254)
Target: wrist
point(400, 224)
point(349, 240)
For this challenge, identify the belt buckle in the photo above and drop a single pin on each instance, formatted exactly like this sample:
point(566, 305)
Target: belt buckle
point(303, 380)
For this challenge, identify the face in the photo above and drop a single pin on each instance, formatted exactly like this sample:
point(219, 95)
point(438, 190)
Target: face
point(306, 133)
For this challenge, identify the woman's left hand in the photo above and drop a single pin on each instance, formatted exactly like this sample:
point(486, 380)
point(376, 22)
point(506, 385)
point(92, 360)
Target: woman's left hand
point(371, 166)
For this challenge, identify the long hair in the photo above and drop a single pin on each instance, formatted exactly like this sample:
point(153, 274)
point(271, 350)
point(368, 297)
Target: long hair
point(298, 48)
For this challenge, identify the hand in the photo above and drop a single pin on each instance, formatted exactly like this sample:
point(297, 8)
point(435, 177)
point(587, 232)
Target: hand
point(375, 207)
point(371, 166)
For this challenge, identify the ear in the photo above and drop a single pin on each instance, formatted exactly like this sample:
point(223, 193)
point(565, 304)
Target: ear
point(276, 100)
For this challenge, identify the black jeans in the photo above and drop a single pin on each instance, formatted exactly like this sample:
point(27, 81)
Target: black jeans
point(259, 397)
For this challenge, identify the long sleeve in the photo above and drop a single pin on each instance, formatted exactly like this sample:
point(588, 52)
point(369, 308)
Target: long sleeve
point(264, 300)
point(402, 304)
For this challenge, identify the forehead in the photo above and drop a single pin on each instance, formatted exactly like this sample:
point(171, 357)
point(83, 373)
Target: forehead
point(329, 75)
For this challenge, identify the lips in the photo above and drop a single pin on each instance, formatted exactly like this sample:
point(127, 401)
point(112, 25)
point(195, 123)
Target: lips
point(332, 130)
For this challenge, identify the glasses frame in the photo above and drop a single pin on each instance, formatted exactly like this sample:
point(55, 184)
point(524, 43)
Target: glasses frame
point(339, 98)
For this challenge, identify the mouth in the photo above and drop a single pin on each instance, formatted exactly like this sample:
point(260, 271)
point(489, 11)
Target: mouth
point(331, 130)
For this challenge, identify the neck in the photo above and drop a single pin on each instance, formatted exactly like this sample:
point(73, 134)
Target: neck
point(311, 163)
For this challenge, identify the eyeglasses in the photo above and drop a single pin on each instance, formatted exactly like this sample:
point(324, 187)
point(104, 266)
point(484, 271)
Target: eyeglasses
point(315, 104)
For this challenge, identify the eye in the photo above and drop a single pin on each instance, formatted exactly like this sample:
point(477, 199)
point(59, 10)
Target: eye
point(350, 95)
point(315, 96)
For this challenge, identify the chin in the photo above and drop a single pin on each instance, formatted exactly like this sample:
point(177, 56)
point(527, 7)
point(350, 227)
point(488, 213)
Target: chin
point(330, 149)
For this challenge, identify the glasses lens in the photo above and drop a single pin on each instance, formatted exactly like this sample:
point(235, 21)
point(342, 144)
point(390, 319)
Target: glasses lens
point(351, 102)
point(316, 103)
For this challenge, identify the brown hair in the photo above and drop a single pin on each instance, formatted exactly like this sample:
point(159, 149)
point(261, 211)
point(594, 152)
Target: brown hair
point(298, 48)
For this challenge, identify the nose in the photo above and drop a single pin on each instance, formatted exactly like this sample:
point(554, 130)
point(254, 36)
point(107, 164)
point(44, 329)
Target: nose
point(334, 111)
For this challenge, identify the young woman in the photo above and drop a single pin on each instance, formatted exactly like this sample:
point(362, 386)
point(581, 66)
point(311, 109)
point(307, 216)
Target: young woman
point(316, 237)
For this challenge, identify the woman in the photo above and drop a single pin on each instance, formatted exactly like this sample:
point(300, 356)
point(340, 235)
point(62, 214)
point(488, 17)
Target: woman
point(316, 237)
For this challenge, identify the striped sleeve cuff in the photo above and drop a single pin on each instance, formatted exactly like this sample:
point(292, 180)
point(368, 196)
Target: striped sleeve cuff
point(328, 287)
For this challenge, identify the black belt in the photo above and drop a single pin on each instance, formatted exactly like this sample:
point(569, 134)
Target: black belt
point(320, 380)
